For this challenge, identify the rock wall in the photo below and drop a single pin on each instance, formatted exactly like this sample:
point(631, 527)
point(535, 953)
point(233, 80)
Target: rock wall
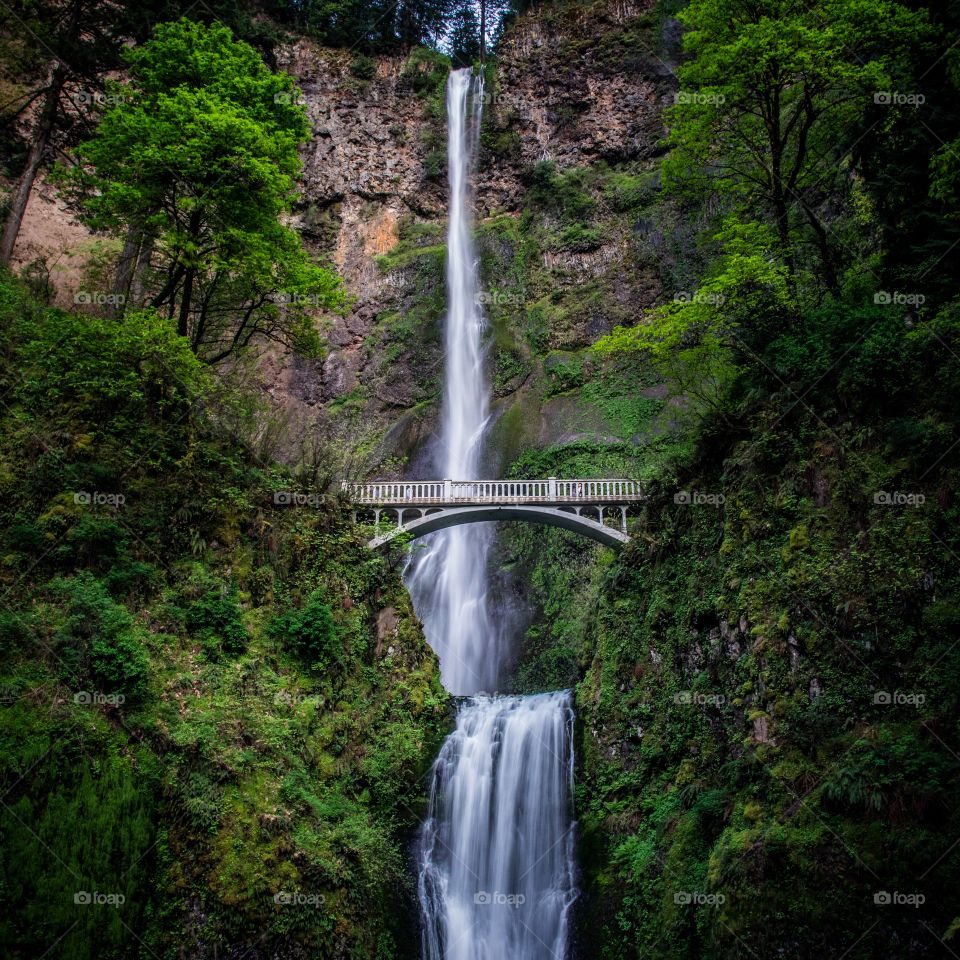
point(572, 88)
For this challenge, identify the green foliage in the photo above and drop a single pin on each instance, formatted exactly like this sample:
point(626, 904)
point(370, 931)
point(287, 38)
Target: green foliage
point(799, 592)
point(627, 192)
point(771, 95)
point(131, 375)
point(72, 831)
point(565, 193)
point(197, 161)
point(227, 776)
point(363, 68)
point(579, 238)
point(311, 634)
point(216, 620)
point(375, 26)
point(699, 341)
point(97, 642)
point(426, 71)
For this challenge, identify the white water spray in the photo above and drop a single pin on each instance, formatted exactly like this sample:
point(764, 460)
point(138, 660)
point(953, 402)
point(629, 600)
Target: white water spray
point(496, 852)
point(448, 580)
point(496, 877)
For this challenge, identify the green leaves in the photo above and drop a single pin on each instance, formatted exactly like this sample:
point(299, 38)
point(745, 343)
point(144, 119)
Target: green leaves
point(770, 104)
point(311, 633)
point(196, 165)
point(697, 340)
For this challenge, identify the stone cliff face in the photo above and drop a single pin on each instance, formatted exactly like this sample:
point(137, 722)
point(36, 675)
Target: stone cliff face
point(578, 88)
point(572, 91)
point(572, 125)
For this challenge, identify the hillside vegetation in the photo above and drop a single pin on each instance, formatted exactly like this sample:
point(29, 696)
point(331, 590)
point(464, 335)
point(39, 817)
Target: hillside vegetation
point(766, 677)
point(217, 709)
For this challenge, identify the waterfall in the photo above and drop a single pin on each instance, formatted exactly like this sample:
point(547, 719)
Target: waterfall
point(448, 579)
point(495, 855)
point(496, 876)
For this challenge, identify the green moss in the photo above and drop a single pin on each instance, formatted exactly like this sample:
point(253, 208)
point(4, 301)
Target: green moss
point(204, 731)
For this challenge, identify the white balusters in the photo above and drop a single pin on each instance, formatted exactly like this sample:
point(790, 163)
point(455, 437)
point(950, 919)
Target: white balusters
point(584, 492)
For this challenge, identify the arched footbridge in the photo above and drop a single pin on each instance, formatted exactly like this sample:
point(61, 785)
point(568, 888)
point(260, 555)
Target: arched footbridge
point(425, 506)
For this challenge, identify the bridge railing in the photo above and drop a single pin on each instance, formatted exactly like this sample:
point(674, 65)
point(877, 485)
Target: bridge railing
point(551, 490)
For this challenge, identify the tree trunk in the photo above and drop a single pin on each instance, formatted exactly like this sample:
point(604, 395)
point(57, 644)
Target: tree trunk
point(483, 31)
point(823, 249)
point(183, 322)
point(41, 137)
point(125, 269)
point(138, 285)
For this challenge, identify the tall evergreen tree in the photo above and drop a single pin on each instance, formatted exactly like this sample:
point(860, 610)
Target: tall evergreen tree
point(463, 38)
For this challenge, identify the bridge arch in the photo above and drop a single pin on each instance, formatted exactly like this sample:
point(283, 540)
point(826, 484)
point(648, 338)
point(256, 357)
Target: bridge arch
point(448, 503)
point(445, 517)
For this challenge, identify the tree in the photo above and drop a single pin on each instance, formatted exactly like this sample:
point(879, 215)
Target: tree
point(58, 53)
point(79, 40)
point(698, 341)
point(463, 37)
point(368, 26)
point(772, 98)
point(195, 165)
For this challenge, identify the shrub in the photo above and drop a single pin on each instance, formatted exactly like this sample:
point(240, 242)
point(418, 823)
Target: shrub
point(310, 633)
point(97, 642)
point(217, 622)
point(15, 631)
point(363, 68)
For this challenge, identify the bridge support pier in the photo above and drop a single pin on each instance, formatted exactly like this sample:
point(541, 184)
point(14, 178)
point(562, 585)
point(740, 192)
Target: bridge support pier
point(438, 504)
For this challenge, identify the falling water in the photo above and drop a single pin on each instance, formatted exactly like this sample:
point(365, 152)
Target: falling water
point(496, 859)
point(448, 580)
point(496, 878)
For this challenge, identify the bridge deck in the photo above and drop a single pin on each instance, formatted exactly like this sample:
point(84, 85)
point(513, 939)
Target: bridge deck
point(441, 493)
